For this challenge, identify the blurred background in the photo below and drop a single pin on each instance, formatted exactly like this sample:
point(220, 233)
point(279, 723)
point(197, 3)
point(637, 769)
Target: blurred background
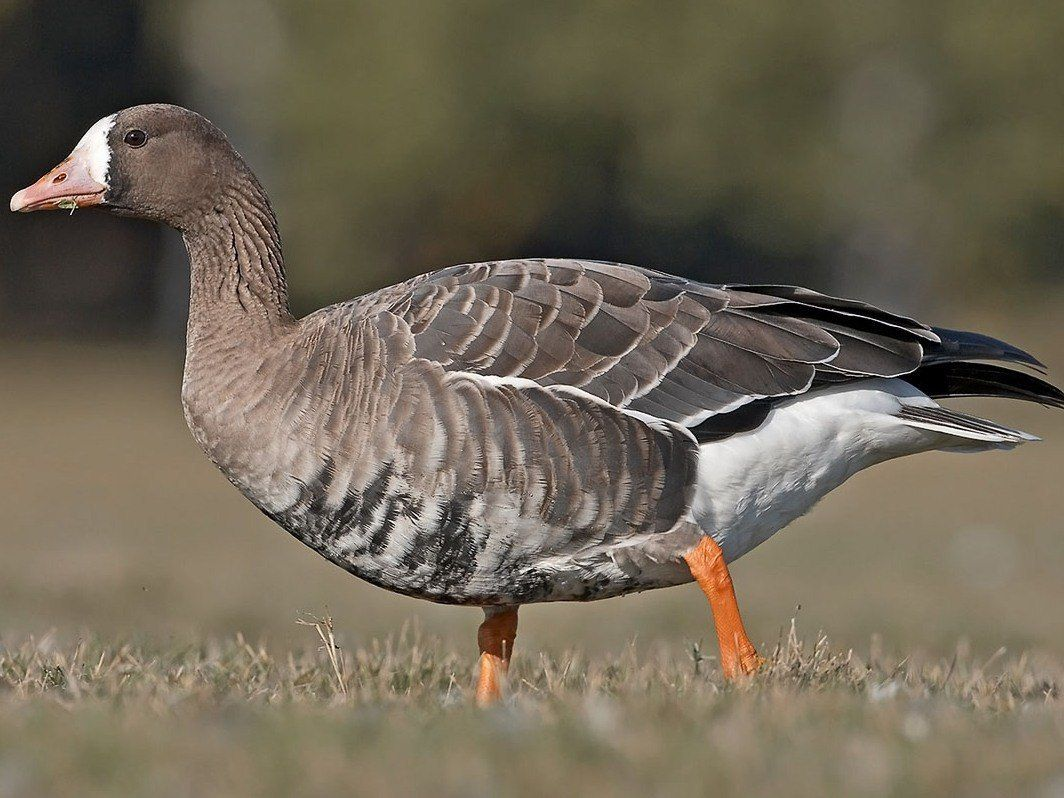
point(910, 153)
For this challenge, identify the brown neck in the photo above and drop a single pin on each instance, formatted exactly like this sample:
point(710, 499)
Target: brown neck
point(237, 269)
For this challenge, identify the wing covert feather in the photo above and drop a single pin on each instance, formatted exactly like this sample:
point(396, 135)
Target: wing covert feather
point(673, 348)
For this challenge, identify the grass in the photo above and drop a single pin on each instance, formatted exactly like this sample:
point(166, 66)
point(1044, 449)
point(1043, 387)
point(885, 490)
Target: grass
point(227, 717)
point(111, 520)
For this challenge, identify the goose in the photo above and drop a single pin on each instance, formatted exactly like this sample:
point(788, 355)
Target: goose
point(519, 431)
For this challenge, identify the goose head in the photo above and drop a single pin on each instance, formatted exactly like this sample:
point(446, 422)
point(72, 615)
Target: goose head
point(158, 162)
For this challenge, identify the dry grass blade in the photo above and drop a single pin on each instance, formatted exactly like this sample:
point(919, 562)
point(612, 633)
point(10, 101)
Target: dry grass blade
point(324, 627)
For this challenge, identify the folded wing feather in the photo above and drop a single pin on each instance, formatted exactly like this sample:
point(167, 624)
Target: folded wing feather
point(654, 343)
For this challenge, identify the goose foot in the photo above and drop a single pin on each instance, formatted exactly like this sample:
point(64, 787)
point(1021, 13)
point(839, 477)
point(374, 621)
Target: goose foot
point(744, 662)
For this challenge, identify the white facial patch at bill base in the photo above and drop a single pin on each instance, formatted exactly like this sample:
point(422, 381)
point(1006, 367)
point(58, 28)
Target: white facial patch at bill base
point(94, 150)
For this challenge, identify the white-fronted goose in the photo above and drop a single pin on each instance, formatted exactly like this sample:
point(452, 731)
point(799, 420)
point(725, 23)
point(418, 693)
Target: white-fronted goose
point(502, 433)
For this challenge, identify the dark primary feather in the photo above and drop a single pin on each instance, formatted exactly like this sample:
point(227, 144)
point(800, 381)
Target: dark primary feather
point(940, 380)
point(724, 425)
point(961, 345)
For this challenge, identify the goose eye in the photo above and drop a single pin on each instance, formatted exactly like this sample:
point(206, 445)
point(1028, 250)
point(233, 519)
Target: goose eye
point(135, 138)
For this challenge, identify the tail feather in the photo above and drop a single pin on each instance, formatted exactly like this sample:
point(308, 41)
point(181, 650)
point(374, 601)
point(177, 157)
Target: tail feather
point(961, 425)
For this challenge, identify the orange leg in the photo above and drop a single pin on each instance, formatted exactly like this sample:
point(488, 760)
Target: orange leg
point(737, 654)
point(496, 640)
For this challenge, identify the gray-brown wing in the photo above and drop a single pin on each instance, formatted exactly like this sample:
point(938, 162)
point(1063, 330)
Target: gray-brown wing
point(650, 342)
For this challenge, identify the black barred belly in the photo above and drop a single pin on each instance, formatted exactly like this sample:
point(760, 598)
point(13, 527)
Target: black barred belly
point(438, 549)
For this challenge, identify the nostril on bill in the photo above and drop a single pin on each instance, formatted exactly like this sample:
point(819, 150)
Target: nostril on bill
point(59, 178)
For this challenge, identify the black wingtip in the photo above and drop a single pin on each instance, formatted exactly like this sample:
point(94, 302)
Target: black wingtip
point(963, 345)
point(943, 380)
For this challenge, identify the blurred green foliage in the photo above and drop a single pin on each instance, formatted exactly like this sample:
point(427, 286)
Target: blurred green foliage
point(898, 145)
